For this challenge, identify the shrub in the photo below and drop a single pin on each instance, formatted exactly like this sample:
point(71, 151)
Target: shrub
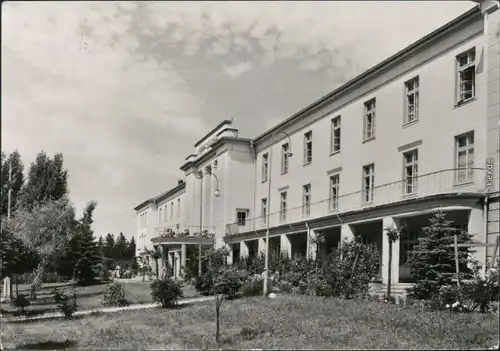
point(66, 302)
point(114, 295)
point(253, 285)
point(21, 302)
point(166, 292)
point(348, 271)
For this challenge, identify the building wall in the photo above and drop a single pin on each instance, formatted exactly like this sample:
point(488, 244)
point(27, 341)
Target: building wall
point(439, 122)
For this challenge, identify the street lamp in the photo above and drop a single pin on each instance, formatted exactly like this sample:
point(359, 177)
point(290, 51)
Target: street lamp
point(288, 154)
point(216, 194)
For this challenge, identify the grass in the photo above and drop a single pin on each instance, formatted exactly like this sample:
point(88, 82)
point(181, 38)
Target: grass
point(89, 297)
point(287, 322)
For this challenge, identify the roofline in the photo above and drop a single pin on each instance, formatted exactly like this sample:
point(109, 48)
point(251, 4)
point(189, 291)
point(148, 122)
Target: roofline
point(169, 192)
point(218, 143)
point(142, 204)
point(224, 122)
point(377, 69)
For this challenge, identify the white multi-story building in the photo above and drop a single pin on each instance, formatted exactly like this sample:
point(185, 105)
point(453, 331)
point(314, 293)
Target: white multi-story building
point(417, 133)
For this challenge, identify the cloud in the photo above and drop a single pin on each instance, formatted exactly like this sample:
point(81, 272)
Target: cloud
point(239, 69)
point(125, 89)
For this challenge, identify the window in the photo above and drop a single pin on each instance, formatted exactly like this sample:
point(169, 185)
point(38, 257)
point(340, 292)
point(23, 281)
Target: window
point(165, 213)
point(172, 210)
point(466, 76)
point(334, 192)
point(410, 171)
point(145, 219)
point(412, 100)
point(160, 216)
point(283, 196)
point(464, 145)
point(368, 180)
point(308, 145)
point(306, 200)
point(335, 138)
point(285, 154)
point(265, 167)
point(369, 121)
point(241, 217)
point(178, 207)
point(263, 211)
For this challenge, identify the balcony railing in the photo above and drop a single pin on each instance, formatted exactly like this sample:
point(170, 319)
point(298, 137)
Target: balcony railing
point(184, 231)
point(442, 182)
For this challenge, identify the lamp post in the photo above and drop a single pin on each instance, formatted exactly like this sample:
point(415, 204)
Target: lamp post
point(288, 154)
point(216, 194)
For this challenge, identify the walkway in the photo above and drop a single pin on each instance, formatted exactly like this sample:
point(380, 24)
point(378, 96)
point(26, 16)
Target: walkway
point(101, 310)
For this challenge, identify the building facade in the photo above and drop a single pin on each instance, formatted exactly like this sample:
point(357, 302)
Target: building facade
point(413, 135)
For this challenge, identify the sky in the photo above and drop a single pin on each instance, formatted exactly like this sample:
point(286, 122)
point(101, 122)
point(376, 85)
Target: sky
point(125, 89)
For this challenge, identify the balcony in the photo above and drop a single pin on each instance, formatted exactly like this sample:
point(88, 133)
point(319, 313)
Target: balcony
point(450, 181)
point(169, 234)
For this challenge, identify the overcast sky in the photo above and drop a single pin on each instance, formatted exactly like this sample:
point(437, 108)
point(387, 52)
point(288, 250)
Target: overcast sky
point(124, 90)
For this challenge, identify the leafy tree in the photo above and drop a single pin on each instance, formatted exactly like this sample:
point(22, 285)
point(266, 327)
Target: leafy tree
point(44, 229)
point(432, 261)
point(17, 181)
point(47, 180)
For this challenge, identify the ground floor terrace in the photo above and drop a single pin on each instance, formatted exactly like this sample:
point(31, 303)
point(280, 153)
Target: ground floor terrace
point(465, 211)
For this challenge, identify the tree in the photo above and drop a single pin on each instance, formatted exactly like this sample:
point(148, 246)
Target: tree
point(45, 229)
point(47, 180)
point(226, 281)
point(120, 248)
point(393, 234)
point(17, 168)
point(155, 254)
point(432, 261)
point(86, 268)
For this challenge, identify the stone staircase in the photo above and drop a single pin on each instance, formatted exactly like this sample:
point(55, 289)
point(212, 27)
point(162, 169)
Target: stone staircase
point(398, 289)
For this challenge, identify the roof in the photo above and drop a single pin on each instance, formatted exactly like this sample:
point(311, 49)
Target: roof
point(160, 197)
point(224, 122)
point(377, 69)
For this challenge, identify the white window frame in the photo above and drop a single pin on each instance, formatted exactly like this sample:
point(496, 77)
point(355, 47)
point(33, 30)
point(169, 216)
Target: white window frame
point(160, 216)
point(412, 88)
point(368, 183)
point(165, 213)
point(335, 135)
point(265, 167)
point(284, 158)
point(172, 210)
point(334, 191)
point(410, 172)
point(468, 151)
point(308, 147)
point(244, 219)
point(306, 200)
point(283, 206)
point(145, 219)
point(369, 119)
point(178, 207)
point(263, 211)
point(469, 66)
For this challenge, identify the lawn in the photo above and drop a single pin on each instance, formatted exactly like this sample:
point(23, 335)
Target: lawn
point(89, 297)
point(287, 322)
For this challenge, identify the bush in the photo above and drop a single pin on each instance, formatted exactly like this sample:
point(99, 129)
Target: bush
point(66, 302)
point(114, 295)
point(253, 285)
point(166, 292)
point(348, 271)
point(21, 302)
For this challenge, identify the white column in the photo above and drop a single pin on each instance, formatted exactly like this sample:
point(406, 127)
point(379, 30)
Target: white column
point(476, 227)
point(285, 244)
point(261, 245)
point(243, 249)
point(346, 233)
point(183, 256)
point(388, 222)
point(6, 293)
point(230, 258)
point(177, 265)
point(312, 247)
point(171, 267)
